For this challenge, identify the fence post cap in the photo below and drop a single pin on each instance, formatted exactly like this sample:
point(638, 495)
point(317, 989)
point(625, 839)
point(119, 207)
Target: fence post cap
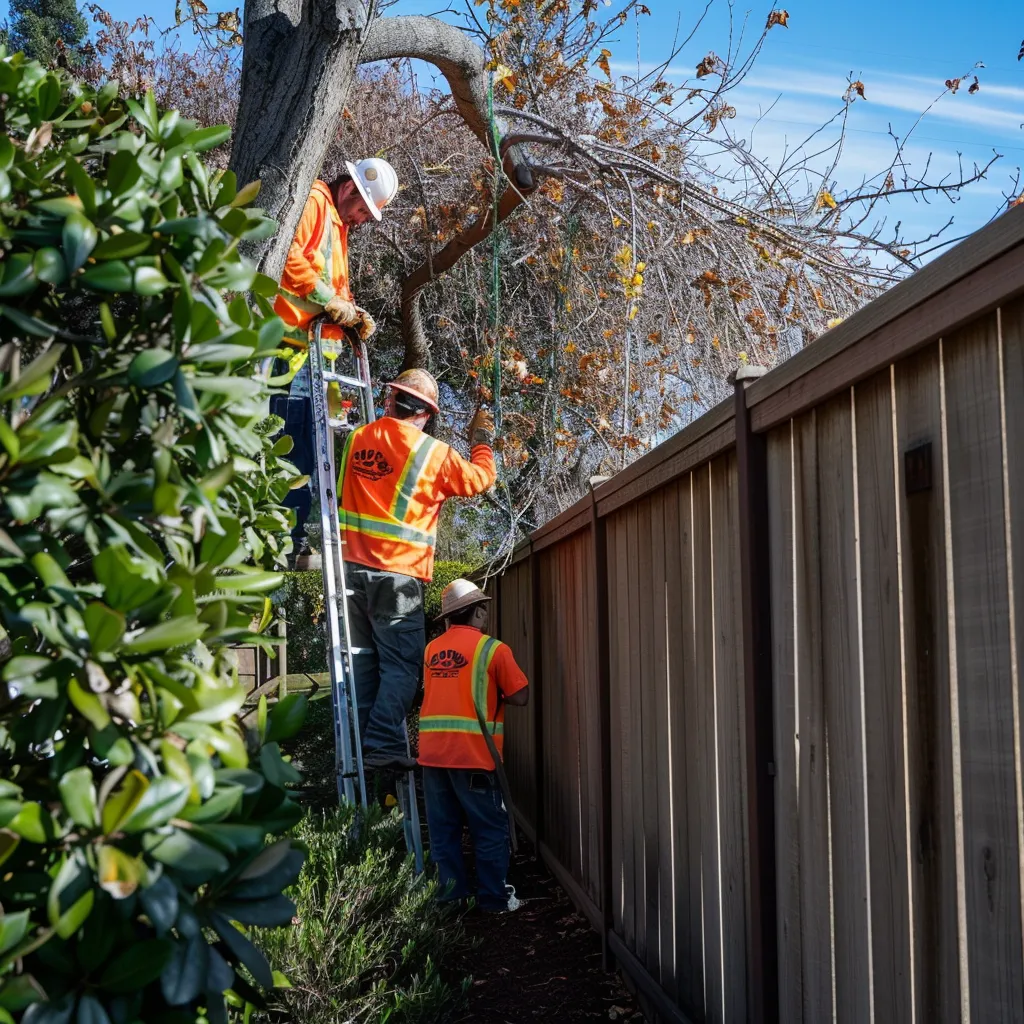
point(748, 371)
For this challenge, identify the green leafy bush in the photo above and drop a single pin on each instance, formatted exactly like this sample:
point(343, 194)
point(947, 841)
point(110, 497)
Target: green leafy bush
point(140, 524)
point(370, 936)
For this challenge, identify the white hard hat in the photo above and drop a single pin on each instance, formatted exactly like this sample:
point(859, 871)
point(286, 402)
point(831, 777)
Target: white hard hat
point(377, 182)
point(460, 594)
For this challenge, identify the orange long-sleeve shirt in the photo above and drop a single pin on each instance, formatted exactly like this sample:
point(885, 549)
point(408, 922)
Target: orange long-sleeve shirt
point(316, 268)
point(394, 480)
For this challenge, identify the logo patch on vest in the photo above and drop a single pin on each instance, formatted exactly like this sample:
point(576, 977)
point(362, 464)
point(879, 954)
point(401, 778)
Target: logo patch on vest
point(370, 464)
point(446, 664)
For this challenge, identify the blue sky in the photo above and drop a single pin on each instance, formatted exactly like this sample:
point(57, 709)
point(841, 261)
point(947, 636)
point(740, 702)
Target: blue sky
point(901, 51)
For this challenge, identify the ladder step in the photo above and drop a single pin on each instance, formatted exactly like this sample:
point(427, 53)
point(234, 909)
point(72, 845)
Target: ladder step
point(341, 378)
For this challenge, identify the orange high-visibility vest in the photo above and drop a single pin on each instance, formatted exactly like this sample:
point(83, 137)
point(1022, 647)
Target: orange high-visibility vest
point(394, 480)
point(317, 267)
point(463, 670)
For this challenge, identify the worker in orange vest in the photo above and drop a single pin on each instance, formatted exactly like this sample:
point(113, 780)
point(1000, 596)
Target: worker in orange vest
point(316, 282)
point(394, 480)
point(468, 679)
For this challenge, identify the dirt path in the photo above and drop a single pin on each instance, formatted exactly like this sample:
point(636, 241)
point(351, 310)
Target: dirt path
point(539, 964)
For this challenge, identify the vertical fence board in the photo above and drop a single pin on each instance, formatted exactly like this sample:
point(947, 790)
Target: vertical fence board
point(815, 852)
point(590, 698)
point(629, 751)
point(732, 741)
point(983, 673)
point(639, 781)
point(784, 676)
point(661, 617)
point(883, 702)
point(842, 676)
point(929, 750)
point(1012, 329)
point(710, 857)
point(615, 655)
point(650, 727)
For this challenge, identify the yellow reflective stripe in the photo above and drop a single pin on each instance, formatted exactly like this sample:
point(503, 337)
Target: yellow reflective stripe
point(410, 475)
point(482, 658)
point(384, 529)
point(457, 723)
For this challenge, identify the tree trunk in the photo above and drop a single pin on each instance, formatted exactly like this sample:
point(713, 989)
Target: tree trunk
point(299, 61)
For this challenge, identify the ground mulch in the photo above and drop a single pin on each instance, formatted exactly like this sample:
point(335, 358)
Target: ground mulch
point(539, 964)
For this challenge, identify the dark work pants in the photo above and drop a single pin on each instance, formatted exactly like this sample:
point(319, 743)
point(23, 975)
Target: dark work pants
point(455, 795)
point(386, 620)
point(298, 424)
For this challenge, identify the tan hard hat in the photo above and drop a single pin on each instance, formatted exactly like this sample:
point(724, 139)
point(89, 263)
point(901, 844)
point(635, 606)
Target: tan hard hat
point(418, 383)
point(460, 594)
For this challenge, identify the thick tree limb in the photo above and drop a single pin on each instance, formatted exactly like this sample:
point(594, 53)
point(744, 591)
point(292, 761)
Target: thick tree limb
point(462, 63)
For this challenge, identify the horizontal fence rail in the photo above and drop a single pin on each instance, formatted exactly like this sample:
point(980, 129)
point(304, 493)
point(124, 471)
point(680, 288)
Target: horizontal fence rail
point(773, 750)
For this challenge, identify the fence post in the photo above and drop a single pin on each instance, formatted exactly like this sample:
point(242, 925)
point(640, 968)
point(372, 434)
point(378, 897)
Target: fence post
point(762, 936)
point(599, 551)
point(537, 696)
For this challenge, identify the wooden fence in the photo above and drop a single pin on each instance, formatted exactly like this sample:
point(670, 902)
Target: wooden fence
point(774, 745)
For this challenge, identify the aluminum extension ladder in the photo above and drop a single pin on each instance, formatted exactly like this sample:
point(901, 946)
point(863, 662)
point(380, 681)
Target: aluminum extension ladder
point(354, 388)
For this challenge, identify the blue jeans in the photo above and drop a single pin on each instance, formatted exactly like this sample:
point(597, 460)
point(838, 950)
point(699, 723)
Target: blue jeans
point(385, 618)
point(455, 795)
point(294, 409)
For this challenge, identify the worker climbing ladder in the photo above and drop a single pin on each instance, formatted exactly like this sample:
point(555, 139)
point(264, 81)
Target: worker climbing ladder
point(341, 402)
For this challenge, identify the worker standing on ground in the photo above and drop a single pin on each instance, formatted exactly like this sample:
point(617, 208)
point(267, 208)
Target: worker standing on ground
point(468, 678)
point(394, 480)
point(316, 282)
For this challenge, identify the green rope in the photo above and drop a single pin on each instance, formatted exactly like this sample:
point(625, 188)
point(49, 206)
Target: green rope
point(495, 303)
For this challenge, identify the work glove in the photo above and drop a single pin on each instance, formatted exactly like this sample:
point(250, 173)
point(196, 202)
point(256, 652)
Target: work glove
point(366, 325)
point(481, 428)
point(341, 311)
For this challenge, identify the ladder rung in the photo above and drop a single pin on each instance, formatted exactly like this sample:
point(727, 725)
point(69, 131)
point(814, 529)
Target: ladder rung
point(341, 378)
point(339, 425)
point(360, 650)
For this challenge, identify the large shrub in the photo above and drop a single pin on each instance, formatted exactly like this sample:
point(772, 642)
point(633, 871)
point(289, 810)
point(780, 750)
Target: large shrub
point(140, 522)
point(371, 935)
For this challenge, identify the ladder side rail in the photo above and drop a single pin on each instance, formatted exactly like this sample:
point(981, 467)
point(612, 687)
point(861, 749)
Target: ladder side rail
point(324, 444)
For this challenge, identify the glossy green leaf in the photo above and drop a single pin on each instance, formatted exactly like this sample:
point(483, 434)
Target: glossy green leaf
point(251, 582)
point(19, 276)
point(112, 276)
point(152, 368)
point(35, 377)
point(149, 281)
point(90, 1011)
point(119, 806)
point(13, 928)
point(78, 791)
point(160, 902)
point(79, 239)
point(182, 852)
point(32, 823)
point(49, 266)
point(8, 844)
point(243, 950)
point(287, 716)
point(104, 625)
point(178, 632)
point(123, 172)
point(88, 705)
point(137, 966)
point(184, 977)
point(273, 912)
point(208, 138)
point(162, 800)
point(123, 246)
